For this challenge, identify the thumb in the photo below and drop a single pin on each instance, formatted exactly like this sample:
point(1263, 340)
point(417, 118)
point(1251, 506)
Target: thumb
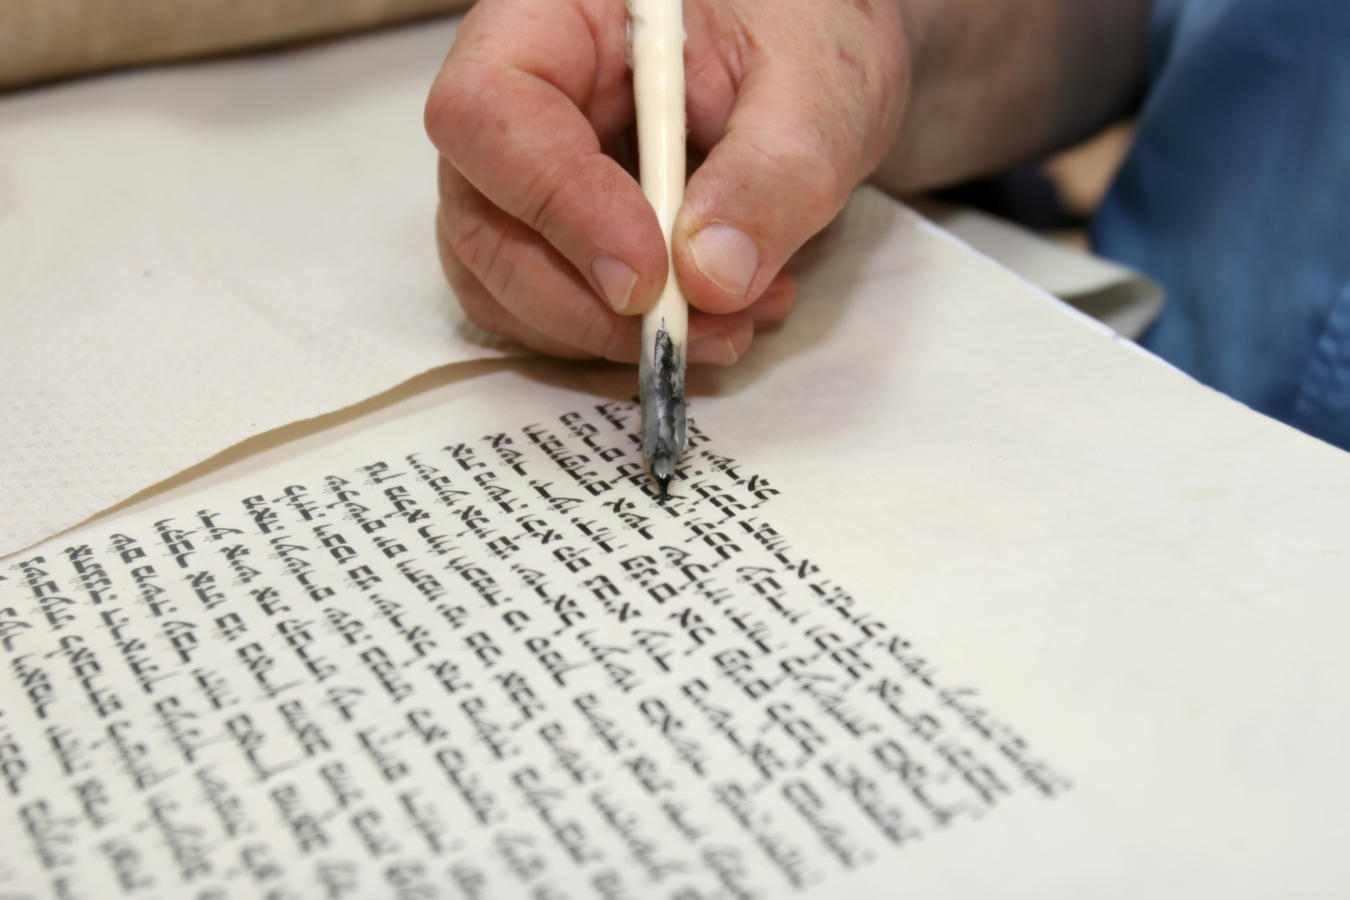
point(783, 168)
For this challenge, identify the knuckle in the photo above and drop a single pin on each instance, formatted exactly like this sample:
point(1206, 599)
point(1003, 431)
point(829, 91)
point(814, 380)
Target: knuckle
point(492, 262)
point(500, 276)
point(457, 108)
point(476, 303)
point(445, 108)
point(816, 176)
point(466, 238)
point(485, 247)
point(542, 199)
point(824, 183)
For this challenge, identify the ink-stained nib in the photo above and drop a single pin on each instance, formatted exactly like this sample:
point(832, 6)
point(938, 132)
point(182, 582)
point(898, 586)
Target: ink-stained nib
point(663, 419)
point(663, 467)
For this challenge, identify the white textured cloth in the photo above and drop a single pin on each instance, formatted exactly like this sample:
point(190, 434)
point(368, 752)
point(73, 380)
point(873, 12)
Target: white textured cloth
point(194, 255)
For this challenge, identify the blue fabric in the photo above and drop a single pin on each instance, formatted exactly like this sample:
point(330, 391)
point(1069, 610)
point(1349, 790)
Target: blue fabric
point(1236, 196)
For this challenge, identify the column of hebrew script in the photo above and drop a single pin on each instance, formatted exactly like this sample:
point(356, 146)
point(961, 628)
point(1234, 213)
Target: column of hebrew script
point(494, 667)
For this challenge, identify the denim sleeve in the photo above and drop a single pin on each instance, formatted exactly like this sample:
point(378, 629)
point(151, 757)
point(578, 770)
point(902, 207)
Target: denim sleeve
point(1236, 196)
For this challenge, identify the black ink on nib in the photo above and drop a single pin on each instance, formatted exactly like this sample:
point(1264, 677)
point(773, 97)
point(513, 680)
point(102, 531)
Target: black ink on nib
point(662, 468)
point(661, 382)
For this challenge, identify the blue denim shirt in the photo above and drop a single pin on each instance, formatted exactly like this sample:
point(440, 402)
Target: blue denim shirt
point(1236, 196)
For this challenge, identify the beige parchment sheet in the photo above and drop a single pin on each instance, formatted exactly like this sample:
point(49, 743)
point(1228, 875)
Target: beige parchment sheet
point(190, 256)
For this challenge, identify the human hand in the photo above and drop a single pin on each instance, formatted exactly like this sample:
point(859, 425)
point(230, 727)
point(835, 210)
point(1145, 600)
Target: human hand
point(548, 240)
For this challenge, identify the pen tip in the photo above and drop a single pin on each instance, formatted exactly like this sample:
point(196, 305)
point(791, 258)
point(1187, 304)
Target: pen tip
point(661, 382)
point(663, 467)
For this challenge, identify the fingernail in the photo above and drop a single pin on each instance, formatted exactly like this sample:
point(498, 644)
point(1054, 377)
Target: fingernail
point(732, 353)
point(726, 255)
point(717, 349)
point(616, 279)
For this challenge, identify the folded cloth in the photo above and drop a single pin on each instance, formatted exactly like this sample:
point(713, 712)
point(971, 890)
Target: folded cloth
point(45, 39)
